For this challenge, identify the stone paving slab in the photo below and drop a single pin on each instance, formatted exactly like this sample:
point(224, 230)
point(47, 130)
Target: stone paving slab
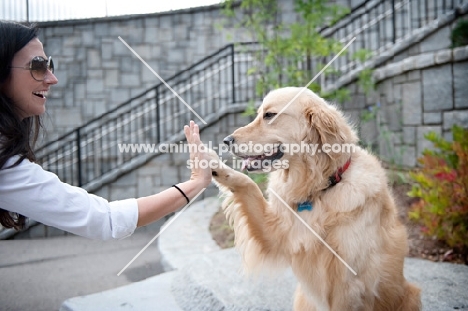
point(188, 235)
point(216, 282)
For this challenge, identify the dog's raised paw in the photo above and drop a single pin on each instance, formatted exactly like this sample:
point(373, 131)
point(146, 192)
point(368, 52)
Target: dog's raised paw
point(212, 156)
point(218, 168)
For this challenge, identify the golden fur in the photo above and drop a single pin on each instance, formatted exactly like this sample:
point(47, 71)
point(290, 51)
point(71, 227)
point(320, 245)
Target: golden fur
point(357, 217)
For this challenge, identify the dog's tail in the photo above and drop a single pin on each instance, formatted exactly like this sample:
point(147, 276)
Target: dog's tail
point(412, 298)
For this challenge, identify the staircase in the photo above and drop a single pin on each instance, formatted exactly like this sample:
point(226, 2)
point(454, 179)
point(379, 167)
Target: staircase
point(384, 28)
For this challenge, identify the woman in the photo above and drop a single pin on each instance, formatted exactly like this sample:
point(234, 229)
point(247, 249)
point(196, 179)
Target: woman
point(26, 190)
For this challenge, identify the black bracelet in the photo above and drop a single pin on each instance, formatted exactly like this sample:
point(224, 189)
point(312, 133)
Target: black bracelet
point(188, 201)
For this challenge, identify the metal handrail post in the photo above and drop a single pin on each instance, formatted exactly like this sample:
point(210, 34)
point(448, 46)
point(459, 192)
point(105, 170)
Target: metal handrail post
point(78, 154)
point(158, 119)
point(393, 22)
point(233, 74)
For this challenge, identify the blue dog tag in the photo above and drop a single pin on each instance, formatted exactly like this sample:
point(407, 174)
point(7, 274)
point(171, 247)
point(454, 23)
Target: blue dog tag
point(305, 206)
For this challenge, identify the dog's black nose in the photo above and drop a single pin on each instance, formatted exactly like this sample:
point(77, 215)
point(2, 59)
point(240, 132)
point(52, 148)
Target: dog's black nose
point(228, 140)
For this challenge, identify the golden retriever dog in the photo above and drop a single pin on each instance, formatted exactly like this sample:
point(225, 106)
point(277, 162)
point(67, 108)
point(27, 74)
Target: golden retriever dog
point(329, 214)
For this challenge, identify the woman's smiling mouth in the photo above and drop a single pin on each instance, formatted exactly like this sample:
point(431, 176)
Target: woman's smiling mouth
point(41, 94)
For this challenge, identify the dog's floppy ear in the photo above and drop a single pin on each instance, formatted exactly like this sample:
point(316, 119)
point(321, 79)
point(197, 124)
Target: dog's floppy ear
point(328, 124)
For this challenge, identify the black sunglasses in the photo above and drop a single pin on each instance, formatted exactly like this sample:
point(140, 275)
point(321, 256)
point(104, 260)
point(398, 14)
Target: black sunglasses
point(38, 67)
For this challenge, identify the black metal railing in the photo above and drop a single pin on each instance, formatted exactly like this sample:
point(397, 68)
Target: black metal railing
point(379, 25)
point(153, 117)
point(157, 115)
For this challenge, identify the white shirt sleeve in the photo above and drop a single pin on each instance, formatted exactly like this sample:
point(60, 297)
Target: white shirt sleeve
point(29, 190)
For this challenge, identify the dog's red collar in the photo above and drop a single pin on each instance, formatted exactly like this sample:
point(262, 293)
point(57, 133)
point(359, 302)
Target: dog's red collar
point(336, 178)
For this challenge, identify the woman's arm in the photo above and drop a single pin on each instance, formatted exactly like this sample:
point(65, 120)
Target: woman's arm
point(29, 190)
point(154, 207)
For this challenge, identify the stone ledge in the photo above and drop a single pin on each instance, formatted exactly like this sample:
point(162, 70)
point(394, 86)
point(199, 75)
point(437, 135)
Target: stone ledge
point(216, 282)
point(189, 235)
point(151, 294)
point(421, 61)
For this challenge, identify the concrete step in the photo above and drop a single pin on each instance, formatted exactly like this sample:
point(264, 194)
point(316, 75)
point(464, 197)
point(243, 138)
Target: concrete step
point(151, 294)
point(216, 282)
point(188, 235)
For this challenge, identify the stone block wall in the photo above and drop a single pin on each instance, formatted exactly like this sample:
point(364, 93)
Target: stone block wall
point(415, 95)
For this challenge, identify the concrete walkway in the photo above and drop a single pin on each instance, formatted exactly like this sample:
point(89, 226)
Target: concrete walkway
point(207, 278)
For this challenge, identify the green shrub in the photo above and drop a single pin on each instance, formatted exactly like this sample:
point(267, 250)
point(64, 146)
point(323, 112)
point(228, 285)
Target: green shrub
point(442, 185)
point(459, 34)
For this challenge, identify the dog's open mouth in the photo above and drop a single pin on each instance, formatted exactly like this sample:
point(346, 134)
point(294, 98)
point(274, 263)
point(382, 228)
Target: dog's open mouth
point(261, 162)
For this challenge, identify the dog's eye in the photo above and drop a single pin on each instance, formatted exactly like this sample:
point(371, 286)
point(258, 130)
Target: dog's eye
point(268, 115)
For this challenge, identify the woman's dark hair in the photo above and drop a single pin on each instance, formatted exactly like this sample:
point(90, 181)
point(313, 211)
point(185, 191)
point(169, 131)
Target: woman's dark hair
point(17, 135)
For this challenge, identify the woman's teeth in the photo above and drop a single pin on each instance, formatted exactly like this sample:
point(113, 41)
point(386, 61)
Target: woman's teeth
point(41, 94)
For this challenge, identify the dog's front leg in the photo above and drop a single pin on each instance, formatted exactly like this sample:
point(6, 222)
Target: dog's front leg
point(247, 212)
point(243, 197)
